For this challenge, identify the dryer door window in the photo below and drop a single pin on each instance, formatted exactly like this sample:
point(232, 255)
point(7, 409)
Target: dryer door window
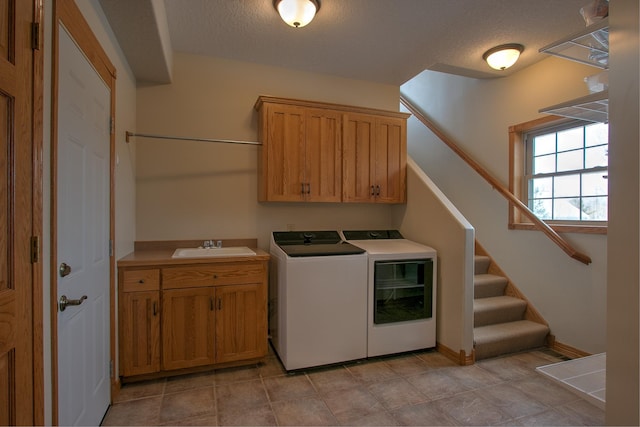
point(403, 290)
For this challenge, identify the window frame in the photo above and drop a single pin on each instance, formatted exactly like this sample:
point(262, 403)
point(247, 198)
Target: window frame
point(518, 183)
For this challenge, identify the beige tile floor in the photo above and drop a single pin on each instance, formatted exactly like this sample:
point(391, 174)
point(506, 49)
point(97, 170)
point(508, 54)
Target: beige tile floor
point(419, 389)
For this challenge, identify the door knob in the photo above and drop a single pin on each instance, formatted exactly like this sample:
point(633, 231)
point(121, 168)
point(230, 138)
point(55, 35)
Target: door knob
point(64, 269)
point(64, 302)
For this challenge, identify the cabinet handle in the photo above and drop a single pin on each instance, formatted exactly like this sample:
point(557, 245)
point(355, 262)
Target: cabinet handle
point(155, 308)
point(215, 276)
point(302, 188)
point(219, 303)
point(141, 281)
point(377, 190)
point(211, 304)
point(308, 188)
point(373, 191)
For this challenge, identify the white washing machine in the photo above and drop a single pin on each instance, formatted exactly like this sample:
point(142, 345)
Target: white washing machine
point(401, 291)
point(317, 299)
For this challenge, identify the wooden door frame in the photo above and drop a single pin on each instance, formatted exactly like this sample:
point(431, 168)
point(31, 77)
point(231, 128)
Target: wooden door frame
point(37, 218)
point(66, 13)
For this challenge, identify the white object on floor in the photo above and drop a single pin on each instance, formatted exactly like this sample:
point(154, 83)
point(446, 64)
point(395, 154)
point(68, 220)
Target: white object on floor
point(585, 376)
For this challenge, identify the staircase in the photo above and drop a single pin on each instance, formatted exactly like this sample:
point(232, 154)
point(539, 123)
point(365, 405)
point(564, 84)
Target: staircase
point(504, 322)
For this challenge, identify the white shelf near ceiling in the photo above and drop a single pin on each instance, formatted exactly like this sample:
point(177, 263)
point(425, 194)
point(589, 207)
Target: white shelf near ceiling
point(592, 108)
point(589, 46)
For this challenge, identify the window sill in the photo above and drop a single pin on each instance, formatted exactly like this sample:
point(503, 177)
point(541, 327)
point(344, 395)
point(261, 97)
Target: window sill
point(563, 228)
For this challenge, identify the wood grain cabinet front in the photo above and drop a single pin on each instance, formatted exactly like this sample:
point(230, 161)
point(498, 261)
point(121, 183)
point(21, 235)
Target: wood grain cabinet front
point(241, 322)
point(301, 154)
point(213, 314)
point(190, 316)
point(212, 275)
point(188, 322)
point(374, 159)
point(141, 280)
point(139, 322)
point(320, 152)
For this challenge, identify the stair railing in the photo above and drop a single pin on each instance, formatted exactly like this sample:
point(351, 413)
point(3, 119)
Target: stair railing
point(497, 185)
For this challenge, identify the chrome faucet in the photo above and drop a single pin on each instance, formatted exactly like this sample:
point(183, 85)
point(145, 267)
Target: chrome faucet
point(210, 244)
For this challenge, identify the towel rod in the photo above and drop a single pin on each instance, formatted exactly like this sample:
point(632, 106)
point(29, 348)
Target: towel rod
point(183, 138)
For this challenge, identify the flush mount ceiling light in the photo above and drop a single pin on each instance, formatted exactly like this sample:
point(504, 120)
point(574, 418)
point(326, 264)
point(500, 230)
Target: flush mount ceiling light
point(503, 56)
point(297, 13)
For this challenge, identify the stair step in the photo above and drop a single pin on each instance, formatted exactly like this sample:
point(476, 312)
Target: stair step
point(494, 340)
point(493, 310)
point(481, 264)
point(488, 285)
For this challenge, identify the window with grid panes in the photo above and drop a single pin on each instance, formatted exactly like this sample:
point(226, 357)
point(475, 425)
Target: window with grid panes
point(566, 172)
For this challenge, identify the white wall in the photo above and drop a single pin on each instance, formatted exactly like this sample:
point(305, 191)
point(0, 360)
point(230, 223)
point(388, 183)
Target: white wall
point(430, 218)
point(477, 114)
point(623, 295)
point(199, 190)
point(125, 171)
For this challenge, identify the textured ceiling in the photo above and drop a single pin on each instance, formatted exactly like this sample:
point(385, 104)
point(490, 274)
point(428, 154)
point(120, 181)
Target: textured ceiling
point(376, 40)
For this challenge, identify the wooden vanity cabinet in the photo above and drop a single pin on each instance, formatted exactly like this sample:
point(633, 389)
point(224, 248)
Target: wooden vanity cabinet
point(374, 159)
point(187, 316)
point(139, 321)
point(213, 314)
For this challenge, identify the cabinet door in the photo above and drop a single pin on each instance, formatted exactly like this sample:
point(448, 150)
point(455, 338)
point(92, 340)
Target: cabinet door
point(358, 157)
point(188, 321)
point(323, 156)
point(284, 148)
point(241, 322)
point(139, 333)
point(390, 160)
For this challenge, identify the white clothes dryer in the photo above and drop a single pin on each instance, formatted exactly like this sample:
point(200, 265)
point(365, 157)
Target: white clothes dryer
point(401, 290)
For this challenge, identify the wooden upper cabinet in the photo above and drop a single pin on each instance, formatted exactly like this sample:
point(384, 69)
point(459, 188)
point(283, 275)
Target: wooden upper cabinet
point(283, 153)
point(319, 152)
point(391, 160)
point(375, 159)
point(301, 154)
point(359, 158)
point(323, 156)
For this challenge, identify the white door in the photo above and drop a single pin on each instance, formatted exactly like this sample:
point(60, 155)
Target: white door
point(83, 238)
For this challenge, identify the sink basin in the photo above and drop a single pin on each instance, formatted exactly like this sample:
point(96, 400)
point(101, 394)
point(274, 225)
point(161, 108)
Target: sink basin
point(212, 252)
